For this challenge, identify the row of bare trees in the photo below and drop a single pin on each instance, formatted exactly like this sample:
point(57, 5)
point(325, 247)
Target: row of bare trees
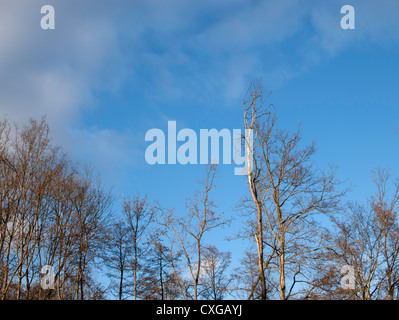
point(51, 214)
point(300, 230)
point(54, 214)
point(303, 231)
point(366, 237)
point(158, 254)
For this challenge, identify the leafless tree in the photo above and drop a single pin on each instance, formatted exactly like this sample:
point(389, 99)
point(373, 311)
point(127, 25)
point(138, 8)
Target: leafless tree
point(215, 278)
point(366, 237)
point(246, 284)
point(51, 214)
point(92, 207)
point(255, 108)
point(385, 205)
point(287, 192)
point(189, 232)
point(30, 166)
point(160, 280)
point(118, 255)
point(139, 214)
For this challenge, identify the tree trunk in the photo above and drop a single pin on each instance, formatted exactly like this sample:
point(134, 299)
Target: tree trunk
point(259, 236)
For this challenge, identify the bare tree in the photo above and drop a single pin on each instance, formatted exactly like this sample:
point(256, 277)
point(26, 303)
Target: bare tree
point(30, 165)
point(51, 214)
point(255, 107)
point(118, 255)
point(385, 205)
point(287, 191)
point(246, 276)
point(215, 278)
point(189, 231)
point(174, 252)
point(160, 280)
point(138, 213)
point(92, 208)
point(366, 237)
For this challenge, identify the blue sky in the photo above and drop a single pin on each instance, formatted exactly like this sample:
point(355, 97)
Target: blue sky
point(111, 70)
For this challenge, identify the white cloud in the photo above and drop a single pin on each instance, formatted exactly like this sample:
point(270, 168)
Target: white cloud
point(55, 72)
point(205, 51)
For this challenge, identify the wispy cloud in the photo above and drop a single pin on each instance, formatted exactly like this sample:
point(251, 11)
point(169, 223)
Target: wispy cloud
point(203, 51)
